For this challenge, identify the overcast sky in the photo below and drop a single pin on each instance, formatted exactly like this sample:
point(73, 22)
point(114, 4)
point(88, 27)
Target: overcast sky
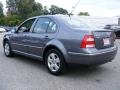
point(106, 8)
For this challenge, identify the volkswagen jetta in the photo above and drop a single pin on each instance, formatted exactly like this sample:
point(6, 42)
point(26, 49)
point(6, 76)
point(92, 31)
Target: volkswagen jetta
point(60, 40)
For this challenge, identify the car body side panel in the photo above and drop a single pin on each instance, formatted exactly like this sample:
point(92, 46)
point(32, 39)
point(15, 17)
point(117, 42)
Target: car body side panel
point(18, 42)
point(59, 45)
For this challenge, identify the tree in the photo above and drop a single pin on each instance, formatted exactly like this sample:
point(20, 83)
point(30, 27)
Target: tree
point(11, 20)
point(19, 10)
point(29, 8)
point(12, 8)
point(56, 10)
point(45, 10)
point(1, 10)
point(63, 11)
point(84, 14)
point(24, 8)
point(37, 9)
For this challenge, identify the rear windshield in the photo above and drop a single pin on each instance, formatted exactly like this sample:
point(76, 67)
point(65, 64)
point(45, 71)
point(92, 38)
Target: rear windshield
point(74, 22)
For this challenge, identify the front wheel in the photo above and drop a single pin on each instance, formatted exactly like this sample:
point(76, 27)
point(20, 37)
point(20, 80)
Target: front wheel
point(55, 62)
point(7, 49)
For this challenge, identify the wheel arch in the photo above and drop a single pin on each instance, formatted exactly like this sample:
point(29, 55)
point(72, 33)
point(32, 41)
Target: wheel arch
point(4, 40)
point(54, 46)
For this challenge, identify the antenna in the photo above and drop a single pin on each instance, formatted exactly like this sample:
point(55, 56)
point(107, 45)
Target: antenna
point(74, 7)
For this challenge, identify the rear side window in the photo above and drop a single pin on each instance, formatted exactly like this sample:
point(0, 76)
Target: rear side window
point(52, 27)
point(41, 25)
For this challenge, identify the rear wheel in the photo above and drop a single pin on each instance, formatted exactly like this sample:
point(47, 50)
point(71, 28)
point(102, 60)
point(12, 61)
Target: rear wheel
point(55, 62)
point(7, 49)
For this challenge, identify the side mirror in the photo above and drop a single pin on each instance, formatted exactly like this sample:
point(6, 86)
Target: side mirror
point(23, 29)
point(13, 30)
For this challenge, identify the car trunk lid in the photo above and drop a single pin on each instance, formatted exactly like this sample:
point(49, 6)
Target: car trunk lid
point(103, 39)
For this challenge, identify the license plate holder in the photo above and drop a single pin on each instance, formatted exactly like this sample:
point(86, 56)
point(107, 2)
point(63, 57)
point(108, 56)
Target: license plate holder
point(106, 41)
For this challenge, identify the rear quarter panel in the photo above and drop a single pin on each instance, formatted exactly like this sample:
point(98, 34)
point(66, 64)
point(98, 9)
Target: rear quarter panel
point(71, 39)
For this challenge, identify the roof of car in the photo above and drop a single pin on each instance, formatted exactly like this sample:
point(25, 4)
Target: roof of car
point(58, 15)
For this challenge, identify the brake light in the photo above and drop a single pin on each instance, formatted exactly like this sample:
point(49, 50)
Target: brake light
point(88, 41)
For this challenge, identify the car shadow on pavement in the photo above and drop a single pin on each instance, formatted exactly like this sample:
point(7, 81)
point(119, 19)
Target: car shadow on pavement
point(85, 71)
point(37, 64)
point(74, 70)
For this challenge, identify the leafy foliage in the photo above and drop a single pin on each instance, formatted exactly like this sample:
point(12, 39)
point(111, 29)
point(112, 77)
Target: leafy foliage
point(19, 10)
point(45, 10)
point(56, 10)
point(10, 20)
point(1, 10)
point(84, 14)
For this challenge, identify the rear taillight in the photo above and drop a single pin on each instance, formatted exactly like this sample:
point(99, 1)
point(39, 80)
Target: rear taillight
point(88, 41)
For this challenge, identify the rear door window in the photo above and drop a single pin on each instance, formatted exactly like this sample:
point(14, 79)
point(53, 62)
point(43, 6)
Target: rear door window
point(52, 28)
point(41, 25)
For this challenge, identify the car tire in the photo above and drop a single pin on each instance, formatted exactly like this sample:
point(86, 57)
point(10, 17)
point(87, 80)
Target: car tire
point(7, 49)
point(55, 62)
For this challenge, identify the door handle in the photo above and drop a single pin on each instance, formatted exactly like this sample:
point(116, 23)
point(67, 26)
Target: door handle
point(46, 37)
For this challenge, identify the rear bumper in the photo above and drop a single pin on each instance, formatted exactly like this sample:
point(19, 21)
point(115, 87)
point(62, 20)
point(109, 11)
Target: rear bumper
point(96, 58)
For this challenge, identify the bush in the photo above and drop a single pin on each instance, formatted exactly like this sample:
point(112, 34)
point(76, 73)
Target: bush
point(10, 20)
